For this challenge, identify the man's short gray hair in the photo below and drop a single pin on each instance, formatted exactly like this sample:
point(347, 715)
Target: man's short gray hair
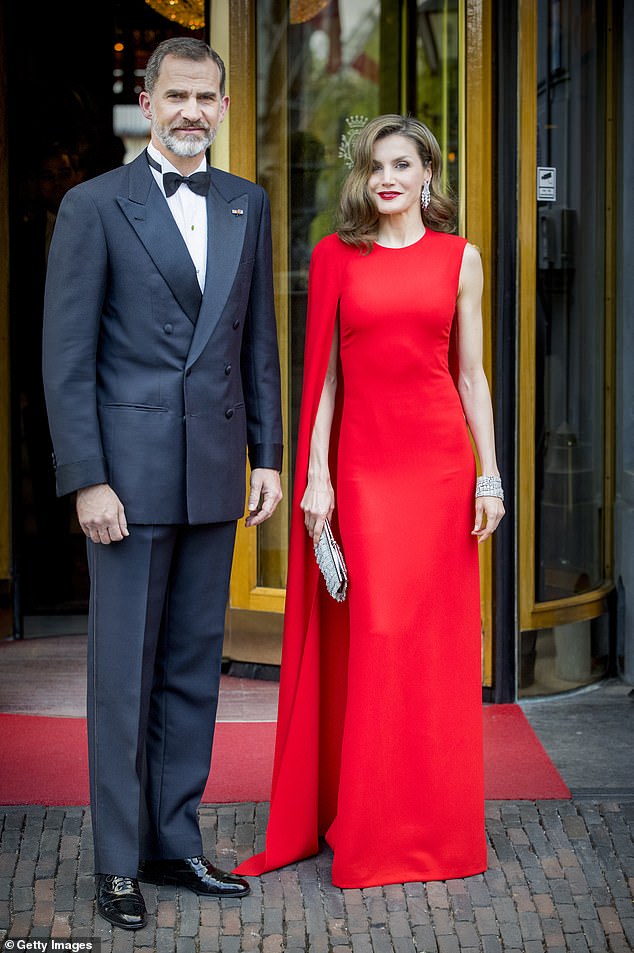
point(186, 48)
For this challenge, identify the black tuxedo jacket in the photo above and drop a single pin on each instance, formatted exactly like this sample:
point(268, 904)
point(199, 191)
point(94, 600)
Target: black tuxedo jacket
point(150, 385)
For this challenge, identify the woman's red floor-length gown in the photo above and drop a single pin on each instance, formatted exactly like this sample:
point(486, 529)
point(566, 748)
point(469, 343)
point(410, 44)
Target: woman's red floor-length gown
point(379, 737)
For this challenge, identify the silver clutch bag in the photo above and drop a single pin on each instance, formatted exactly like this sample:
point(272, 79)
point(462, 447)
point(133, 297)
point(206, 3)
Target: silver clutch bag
point(331, 563)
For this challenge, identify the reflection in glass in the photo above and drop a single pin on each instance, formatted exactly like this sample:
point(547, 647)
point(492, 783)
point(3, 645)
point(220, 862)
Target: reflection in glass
point(437, 77)
point(570, 299)
point(331, 61)
point(323, 70)
point(333, 90)
point(563, 658)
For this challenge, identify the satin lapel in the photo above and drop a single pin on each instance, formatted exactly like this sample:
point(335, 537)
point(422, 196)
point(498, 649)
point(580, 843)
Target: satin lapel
point(150, 217)
point(226, 228)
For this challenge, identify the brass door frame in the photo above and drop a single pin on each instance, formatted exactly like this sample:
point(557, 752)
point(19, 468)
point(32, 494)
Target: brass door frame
point(233, 32)
point(476, 223)
point(587, 605)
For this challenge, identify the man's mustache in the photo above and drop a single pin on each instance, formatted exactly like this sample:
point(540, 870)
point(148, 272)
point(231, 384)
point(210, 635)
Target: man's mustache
point(190, 125)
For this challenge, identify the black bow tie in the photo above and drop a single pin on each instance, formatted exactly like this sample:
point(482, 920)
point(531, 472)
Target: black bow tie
point(198, 182)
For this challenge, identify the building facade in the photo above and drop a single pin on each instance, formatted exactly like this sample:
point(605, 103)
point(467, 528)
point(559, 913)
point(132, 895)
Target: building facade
point(529, 102)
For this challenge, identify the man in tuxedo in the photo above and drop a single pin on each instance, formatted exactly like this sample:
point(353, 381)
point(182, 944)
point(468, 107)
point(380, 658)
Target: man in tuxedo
point(161, 369)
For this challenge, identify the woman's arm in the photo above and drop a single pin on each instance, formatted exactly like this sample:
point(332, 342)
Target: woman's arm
point(318, 501)
point(473, 387)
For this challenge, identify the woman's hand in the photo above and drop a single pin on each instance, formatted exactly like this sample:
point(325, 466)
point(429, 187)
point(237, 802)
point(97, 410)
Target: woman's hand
point(489, 512)
point(318, 503)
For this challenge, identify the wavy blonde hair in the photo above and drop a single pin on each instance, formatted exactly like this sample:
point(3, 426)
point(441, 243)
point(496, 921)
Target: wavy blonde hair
point(357, 216)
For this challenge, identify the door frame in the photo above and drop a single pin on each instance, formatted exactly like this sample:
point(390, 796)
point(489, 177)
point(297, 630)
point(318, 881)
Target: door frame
point(587, 605)
point(477, 224)
point(6, 613)
point(232, 26)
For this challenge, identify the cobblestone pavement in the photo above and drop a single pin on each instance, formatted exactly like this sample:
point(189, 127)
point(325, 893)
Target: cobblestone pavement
point(560, 878)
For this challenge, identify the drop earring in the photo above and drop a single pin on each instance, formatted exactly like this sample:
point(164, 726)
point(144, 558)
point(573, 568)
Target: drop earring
point(425, 196)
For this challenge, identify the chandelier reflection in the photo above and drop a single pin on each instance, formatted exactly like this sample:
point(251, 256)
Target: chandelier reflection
point(187, 13)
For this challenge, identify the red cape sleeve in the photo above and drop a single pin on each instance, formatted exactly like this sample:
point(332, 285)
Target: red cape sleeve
point(302, 793)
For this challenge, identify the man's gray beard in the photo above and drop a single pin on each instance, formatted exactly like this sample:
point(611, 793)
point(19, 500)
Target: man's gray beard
point(185, 148)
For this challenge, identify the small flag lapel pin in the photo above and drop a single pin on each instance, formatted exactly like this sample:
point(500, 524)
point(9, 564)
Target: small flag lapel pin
point(237, 211)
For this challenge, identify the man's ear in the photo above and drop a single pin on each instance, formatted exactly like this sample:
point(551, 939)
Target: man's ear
point(145, 104)
point(224, 109)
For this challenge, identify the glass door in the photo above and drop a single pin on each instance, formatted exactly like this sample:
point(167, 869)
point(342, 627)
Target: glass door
point(308, 74)
point(566, 343)
point(320, 71)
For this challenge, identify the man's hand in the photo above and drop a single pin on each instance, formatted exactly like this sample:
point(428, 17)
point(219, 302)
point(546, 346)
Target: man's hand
point(100, 514)
point(265, 494)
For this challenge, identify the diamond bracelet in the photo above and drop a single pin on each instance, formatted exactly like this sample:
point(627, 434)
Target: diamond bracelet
point(489, 486)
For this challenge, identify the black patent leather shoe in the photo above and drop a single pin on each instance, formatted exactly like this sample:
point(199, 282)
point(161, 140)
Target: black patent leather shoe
point(195, 873)
point(120, 901)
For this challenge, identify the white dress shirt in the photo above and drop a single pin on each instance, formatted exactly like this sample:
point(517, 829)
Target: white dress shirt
point(189, 211)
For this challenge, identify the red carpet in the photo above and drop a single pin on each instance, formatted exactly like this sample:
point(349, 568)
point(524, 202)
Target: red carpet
point(43, 760)
point(516, 765)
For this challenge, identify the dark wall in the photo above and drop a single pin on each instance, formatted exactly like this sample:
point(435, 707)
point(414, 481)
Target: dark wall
point(624, 508)
point(61, 89)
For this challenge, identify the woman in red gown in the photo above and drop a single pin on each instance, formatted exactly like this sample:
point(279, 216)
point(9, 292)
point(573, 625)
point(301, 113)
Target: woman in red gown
point(379, 737)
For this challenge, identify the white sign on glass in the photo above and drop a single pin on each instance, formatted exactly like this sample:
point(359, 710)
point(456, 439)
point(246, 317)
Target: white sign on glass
point(546, 183)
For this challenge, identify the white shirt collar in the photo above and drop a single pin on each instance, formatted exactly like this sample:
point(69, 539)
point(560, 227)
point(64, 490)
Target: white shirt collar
point(167, 166)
